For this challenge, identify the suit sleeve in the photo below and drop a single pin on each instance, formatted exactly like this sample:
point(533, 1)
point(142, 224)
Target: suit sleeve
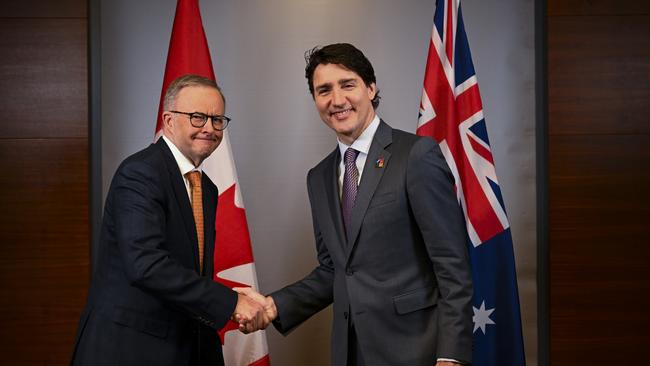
point(299, 301)
point(437, 213)
point(140, 222)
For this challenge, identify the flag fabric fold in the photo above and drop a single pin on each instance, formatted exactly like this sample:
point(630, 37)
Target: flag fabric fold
point(233, 260)
point(451, 112)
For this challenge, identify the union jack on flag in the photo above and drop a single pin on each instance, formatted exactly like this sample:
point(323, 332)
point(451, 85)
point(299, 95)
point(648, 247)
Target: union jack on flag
point(451, 112)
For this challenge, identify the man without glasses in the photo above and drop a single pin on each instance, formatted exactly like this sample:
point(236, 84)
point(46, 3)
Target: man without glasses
point(389, 233)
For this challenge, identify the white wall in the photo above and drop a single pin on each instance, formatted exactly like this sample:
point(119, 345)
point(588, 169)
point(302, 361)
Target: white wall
point(257, 50)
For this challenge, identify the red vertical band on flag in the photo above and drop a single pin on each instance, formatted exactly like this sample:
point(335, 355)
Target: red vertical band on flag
point(188, 49)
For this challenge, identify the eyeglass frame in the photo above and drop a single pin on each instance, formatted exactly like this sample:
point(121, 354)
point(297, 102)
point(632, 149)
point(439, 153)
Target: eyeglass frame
point(225, 120)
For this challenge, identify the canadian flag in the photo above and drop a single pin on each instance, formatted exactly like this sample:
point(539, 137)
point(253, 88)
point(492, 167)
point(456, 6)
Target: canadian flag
point(233, 260)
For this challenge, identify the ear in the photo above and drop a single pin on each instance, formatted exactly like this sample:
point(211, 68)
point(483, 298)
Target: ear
point(167, 120)
point(372, 91)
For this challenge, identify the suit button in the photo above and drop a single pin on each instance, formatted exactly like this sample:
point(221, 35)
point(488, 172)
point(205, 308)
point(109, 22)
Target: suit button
point(345, 314)
point(349, 271)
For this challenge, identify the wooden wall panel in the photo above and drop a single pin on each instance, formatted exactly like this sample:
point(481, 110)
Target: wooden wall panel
point(43, 78)
point(44, 226)
point(598, 221)
point(45, 9)
point(598, 7)
point(44, 256)
point(599, 145)
point(600, 74)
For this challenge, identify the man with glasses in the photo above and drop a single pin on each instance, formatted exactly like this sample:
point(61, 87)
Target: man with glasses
point(152, 300)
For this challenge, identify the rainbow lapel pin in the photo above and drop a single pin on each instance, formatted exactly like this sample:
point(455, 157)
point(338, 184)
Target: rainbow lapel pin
point(379, 163)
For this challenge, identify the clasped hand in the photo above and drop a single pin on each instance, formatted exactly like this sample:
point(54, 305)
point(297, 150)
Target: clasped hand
point(254, 311)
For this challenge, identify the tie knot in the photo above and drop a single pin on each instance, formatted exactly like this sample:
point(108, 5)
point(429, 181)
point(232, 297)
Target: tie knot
point(350, 155)
point(194, 177)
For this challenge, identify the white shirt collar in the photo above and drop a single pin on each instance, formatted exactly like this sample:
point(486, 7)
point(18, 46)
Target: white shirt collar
point(184, 164)
point(363, 142)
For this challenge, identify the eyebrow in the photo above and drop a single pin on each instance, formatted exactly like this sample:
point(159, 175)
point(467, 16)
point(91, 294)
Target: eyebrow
point(324, 86)
point(345, 81)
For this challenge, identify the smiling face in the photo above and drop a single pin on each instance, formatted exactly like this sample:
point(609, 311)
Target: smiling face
point(194, 142)
point(343, 100)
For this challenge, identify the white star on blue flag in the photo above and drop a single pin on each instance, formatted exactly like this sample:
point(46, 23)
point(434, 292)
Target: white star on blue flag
point(481, 317)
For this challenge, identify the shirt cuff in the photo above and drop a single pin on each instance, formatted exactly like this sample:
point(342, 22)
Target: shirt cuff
point(449, 360)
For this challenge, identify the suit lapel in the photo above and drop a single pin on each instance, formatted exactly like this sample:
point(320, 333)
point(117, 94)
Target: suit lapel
point(333, 199)
point(181, 197)
point(210, 198)
point(369, 180)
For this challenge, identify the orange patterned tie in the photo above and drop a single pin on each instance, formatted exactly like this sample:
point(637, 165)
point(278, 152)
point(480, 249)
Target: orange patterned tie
point(197, 209)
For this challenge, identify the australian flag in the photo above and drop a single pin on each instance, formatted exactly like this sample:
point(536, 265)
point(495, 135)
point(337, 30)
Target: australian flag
point(451, 112)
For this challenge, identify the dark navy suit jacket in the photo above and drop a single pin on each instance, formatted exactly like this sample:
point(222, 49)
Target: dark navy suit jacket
point(148, 304)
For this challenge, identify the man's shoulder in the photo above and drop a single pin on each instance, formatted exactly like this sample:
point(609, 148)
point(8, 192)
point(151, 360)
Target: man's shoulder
point(326, 163)
point(404, 141)
point(409, 138)
point(148, 162)
point(146, 167)
point(150, 155)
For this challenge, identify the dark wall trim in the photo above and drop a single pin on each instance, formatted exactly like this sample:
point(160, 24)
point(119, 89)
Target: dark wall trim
point(541, 142)
point(95, 126)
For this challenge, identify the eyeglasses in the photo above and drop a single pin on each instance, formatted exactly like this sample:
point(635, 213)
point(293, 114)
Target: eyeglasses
point(198, 120)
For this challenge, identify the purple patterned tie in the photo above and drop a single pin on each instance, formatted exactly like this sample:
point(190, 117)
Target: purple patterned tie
point(350, 180)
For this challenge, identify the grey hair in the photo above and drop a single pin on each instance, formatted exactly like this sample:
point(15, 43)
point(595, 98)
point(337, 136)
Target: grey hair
point(185, 81)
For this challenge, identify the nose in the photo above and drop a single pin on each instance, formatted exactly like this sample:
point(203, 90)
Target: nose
point(208, 127)
point(338, 98)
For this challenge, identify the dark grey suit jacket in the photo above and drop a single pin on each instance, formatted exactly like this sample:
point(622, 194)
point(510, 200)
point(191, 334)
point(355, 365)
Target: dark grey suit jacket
point(401, 272)
point(147, 304)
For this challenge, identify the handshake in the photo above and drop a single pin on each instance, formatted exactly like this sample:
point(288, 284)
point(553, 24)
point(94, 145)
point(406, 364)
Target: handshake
point(254, 311)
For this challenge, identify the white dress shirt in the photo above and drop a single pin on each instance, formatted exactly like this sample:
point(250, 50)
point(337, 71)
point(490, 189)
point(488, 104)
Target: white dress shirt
point(184, 164)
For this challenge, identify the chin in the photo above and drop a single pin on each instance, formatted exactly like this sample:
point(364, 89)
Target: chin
point(344, 130)
point(341, 126)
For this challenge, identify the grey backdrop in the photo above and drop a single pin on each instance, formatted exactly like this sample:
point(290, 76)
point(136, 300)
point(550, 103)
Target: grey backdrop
point(257, 50)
